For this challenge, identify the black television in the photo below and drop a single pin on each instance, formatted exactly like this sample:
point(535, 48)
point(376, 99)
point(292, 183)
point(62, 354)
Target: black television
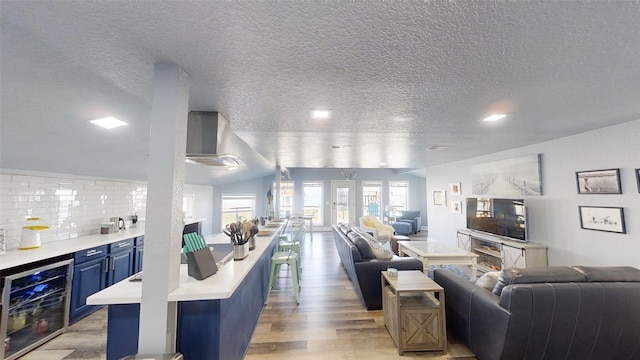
point(502, 217)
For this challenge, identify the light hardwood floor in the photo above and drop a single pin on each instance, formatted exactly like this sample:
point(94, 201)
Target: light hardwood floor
point(329, 323)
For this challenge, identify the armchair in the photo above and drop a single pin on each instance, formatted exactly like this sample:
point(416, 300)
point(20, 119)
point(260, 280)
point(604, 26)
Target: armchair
point(381, 232)
point(412, 217)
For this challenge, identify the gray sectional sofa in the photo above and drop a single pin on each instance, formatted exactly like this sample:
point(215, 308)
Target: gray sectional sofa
point(557, 312)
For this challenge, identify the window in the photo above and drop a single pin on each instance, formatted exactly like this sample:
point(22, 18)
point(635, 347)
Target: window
point(287, 193)
point(372, 198)
point(398, 195)
point(312, 192)
point(237, 207)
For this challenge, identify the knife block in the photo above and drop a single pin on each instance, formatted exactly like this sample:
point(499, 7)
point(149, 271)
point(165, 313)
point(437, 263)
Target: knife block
point(200, 264)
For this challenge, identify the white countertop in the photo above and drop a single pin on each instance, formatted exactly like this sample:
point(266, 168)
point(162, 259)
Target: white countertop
point(192, 220)
point(16, 257)
point(220, 285)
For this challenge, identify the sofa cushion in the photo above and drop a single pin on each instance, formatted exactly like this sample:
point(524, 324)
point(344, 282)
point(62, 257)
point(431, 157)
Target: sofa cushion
point(610, 274)
point(379, 250)
point(488, 280)
point(345, 228)
point(410, 214)
point(363, 246)
point(549, 274)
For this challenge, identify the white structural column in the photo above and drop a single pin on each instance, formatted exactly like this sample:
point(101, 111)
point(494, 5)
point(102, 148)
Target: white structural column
point(276, 215)
point(163, 228)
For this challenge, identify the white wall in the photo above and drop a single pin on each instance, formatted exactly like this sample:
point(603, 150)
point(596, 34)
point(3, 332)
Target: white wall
point(202, 206)
point(74, 206)
point(553, 217)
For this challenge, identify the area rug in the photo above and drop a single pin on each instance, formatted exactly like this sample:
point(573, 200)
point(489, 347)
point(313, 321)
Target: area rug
point(459, 270)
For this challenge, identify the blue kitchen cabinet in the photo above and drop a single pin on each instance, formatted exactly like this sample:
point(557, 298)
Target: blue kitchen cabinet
point(121, 261)
point(89, 276)
point(94, 270)
point(138, 254)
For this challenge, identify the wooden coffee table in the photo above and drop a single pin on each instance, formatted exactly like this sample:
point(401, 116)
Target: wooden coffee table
point(438, 253)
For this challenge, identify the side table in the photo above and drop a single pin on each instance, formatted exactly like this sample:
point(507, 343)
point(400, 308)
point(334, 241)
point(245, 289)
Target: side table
point(413, 311)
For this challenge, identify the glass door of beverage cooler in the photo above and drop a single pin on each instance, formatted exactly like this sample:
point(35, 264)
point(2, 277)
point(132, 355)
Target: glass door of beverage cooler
point(35, 307)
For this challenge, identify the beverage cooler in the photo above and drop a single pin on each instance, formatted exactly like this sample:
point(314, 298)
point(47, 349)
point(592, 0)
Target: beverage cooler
point(34, 307)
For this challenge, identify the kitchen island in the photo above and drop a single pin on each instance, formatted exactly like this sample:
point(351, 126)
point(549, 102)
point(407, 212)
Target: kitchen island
point(216, 316)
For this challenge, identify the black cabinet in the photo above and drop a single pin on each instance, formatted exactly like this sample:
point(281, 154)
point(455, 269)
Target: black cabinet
point(95, 269)
point(33, 306)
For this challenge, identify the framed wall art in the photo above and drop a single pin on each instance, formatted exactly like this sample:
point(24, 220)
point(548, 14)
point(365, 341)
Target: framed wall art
point(602, 218)
point(638, 178)
point(506, 177)
point(599, 181)
point(454, 189)
point(456, 207)
point(439, 198)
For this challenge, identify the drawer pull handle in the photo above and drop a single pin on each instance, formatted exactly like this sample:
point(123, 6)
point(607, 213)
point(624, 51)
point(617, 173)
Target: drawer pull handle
point(93, 252)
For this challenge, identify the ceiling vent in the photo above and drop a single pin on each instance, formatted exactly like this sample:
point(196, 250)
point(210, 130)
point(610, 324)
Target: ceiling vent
point(208, 140)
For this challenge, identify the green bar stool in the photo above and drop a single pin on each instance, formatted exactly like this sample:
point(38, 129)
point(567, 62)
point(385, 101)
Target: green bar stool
point(285, 243)
point(285, 257)
point(293, 245)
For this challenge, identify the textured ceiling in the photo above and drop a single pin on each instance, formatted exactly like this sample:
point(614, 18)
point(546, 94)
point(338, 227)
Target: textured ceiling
point(400, 77)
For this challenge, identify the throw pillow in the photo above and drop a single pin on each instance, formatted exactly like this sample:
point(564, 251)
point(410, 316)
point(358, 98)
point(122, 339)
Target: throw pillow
point(368, 223)
point(379, 250)
point(364, 247)
point(488, 280)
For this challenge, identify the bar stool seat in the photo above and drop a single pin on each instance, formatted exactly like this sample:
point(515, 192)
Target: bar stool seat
point(287, 244)
point(285, 257)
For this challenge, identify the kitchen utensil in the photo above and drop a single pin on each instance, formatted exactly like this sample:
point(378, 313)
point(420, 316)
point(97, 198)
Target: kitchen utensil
point(107, 228)
point(119, 223)
point(252, 239)
point(31, 234)
point(240, 251)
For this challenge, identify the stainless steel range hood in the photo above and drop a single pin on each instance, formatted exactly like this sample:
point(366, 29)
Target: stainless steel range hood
point(208, 140)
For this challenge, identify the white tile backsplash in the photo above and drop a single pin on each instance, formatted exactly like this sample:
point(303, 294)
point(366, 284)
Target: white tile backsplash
point(71, 206)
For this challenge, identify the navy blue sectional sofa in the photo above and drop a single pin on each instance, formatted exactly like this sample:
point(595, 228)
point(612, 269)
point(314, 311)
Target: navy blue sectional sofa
point(363, 270)
point(556, 312)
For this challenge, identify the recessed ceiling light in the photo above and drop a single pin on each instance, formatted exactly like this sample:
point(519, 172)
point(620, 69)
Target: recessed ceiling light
point(320, 114)
point(495, 117)
point(315, 163)
point(233, 168)
point(383, 164)
point(109, 122)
